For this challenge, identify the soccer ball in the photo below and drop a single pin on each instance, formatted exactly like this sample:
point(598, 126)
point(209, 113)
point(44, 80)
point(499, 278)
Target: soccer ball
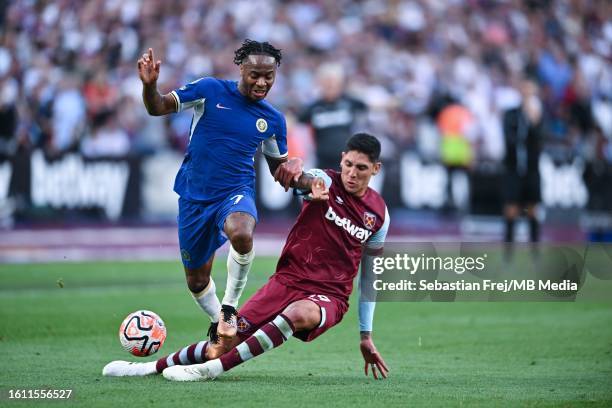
point(142, 333)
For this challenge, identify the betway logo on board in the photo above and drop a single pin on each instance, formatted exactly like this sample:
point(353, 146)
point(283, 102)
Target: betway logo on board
point(73, 183)
point(361, 234)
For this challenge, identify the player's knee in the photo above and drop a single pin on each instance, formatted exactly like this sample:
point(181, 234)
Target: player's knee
point(198, 278)
point(239, 229)
point(304, 320)
point(304, 315)
point(197, 283)
point(242, 240)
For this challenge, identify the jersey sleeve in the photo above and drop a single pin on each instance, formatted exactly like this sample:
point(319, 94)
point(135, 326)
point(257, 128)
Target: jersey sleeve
point(366, 316)
point(378, 238)
point(366, 307)
point(194, 92)
point(276, 145)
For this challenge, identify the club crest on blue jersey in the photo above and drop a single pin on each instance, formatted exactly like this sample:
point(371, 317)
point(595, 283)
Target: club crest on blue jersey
point(369, 220)
point(185, 255)
point(262, 125)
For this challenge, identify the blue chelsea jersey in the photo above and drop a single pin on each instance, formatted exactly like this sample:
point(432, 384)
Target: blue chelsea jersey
point(226, 130)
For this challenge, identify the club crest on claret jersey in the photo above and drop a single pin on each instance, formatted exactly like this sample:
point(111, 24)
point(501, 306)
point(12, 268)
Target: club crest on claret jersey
point(369, 220)
point(242, 324)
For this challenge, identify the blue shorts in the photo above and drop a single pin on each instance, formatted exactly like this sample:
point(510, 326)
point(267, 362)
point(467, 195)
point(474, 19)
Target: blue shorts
point(200, 226)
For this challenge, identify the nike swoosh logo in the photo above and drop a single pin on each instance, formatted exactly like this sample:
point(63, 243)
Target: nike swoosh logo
point(219, 106)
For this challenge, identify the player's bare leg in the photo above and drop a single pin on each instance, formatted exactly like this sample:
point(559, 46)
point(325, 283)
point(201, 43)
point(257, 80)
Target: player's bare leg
point(203, 291)
point(511, 212)
point(298, 316)
point(239, 227)
point(216, 350)
point(534, 224)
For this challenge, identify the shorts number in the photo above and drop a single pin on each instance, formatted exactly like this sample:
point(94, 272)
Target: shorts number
point(322, 298)
point(237, 198)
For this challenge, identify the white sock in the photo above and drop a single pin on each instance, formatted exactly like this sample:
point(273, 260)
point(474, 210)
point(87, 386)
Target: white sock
point(238, 267)
point(209, 302)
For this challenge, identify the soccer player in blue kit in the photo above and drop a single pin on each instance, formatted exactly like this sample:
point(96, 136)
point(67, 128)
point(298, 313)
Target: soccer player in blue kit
point(216, 182)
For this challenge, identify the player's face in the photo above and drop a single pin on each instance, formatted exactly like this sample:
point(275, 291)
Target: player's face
point(257, 76)
point(357, 170)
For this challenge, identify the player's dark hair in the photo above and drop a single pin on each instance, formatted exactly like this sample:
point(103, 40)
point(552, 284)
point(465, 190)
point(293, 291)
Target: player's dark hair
point(251, 47)
point(365, 143)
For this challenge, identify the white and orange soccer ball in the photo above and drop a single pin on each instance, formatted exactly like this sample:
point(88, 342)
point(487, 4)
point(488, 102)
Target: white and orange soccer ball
point(142, 333)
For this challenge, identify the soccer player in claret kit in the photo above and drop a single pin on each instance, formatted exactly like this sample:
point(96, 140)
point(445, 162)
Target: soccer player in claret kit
point(308, 294)
point(216, 182)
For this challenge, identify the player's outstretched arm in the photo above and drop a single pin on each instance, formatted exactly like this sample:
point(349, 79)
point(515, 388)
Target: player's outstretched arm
point(148, 71)
point(367, 302)
point(373, 359)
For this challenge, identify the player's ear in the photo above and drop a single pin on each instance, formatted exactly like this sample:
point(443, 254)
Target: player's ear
point(376, 168)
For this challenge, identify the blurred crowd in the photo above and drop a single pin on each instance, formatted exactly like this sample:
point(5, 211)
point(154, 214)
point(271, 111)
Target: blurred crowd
point(425, 69)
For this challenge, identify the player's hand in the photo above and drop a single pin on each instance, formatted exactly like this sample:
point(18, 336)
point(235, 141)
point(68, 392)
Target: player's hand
point(373, 359)
point(148, 69)
point(289, 171)
point(318, 190)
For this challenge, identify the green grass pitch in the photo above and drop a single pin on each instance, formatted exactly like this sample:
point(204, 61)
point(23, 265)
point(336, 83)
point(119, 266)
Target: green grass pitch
point(440, 354)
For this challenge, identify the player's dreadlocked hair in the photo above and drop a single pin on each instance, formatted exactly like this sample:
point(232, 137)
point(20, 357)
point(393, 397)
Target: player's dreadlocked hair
point(250, 47)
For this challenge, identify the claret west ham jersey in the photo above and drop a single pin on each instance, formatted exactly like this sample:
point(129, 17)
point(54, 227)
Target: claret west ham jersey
point(226, 130)
point(326, 235)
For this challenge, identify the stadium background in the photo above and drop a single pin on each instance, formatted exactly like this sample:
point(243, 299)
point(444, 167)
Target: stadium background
point(86, 177)
point(77, 148)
